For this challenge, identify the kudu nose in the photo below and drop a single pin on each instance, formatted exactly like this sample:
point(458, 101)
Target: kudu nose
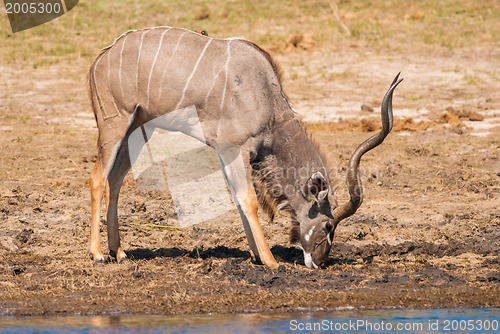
point(308, 261)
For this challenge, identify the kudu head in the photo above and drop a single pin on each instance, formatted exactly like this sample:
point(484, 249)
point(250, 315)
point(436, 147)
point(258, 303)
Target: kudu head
point(319, 214)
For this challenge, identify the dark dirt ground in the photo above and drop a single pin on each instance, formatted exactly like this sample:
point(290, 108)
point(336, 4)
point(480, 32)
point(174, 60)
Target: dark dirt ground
point(426, 236)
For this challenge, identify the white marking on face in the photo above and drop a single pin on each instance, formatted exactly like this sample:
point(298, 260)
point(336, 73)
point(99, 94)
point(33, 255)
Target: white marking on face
point(308, 235)
point(309, 261)
point(329, 238)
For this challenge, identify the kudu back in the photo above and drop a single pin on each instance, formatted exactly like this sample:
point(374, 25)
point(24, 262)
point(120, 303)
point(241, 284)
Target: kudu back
point(236, 90)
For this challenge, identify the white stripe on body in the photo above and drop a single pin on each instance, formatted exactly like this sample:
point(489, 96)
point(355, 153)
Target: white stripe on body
point(109, 90)
point(125, 34)
point(192, 74)
point(168, 63)
point(152, 66)
point(227, 71)
point(120, 69)
point(144, 32)
point(211, 88)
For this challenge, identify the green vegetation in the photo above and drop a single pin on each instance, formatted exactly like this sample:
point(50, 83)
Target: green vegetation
point(380, 25)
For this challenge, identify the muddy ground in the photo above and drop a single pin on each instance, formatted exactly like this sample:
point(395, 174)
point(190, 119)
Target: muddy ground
point(426, 236)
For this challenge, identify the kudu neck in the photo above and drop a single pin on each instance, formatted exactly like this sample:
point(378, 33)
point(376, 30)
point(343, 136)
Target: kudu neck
point(296, 156)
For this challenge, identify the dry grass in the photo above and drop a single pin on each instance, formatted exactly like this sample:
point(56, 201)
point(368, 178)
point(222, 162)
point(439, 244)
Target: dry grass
point(380, 25)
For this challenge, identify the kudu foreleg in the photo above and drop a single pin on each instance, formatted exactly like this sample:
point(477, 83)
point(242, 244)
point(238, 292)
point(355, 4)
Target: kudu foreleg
point(238, 175)
point(253, 229)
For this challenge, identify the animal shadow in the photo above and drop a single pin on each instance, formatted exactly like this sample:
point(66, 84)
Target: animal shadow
point(281, 253)
point(220, 252)
point(288, 254)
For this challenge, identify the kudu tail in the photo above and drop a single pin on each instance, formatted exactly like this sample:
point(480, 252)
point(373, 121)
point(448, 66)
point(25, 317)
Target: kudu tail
point(91, 89)
point(353, 180)
point(94, 99)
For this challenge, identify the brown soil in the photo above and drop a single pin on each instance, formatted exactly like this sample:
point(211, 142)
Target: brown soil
point(427, 235)
point(451, 117)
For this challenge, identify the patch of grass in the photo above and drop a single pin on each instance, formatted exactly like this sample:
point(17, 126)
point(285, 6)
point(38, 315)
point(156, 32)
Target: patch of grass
point(471, 79)
point(100, 4)
point(339, 75)
point(379, 25)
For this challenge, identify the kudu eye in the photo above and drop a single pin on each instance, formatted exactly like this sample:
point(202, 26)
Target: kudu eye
point(328, 226)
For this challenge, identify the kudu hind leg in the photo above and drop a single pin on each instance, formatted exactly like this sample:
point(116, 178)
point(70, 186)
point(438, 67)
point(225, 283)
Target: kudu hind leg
point(96, 190)
point(116, 176)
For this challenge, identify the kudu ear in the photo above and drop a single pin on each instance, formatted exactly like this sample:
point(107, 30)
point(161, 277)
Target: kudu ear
point(317, 188)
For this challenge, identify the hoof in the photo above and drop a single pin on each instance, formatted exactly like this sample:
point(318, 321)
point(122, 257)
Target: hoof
point(119, 256)
point(99, 263)
point(272, 265)
point(97, 257)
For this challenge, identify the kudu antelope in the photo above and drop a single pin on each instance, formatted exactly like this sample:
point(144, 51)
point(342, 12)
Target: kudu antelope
point(236, 89)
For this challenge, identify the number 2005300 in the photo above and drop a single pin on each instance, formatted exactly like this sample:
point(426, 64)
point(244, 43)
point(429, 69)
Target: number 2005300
point(463, 325)
point(32, 8)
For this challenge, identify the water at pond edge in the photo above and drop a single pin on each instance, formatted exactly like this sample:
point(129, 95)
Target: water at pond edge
point(343, 321)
